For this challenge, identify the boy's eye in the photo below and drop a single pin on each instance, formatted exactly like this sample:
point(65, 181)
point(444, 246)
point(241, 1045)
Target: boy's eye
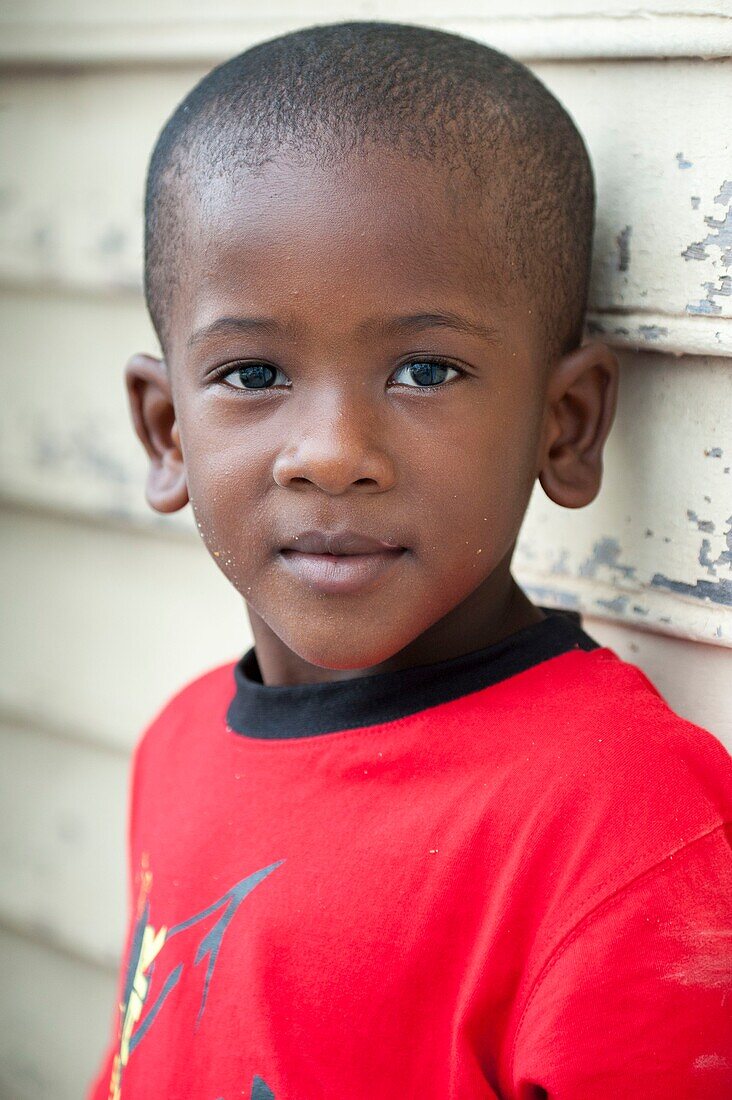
point(428, 372)
point(255, 376)
point(418, 374)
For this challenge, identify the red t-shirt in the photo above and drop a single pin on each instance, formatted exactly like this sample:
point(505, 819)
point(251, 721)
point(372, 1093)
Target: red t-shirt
point(507, 875)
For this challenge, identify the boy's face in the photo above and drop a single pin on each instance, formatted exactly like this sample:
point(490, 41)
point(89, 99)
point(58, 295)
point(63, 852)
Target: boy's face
point(408, 403)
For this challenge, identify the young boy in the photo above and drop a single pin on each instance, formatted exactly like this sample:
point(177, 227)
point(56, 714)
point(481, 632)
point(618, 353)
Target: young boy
point(425, 840)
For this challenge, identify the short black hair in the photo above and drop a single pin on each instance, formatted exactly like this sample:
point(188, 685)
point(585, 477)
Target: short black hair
point(325, 91)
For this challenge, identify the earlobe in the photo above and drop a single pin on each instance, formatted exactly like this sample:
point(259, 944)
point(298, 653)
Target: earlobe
point(153, 415)
point(581, 399)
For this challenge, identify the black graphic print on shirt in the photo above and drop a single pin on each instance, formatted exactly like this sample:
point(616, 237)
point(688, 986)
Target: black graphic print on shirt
point(145, 948)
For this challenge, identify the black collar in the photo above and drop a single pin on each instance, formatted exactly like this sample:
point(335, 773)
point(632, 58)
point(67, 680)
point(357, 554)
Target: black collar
point(303, 710)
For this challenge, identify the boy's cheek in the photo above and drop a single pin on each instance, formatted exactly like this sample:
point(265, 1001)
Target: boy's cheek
point(456, 508)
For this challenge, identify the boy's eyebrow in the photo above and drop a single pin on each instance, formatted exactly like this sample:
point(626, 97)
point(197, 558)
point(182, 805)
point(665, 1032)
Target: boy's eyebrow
point(416, 322)
point(402, 324)
point(235, 325)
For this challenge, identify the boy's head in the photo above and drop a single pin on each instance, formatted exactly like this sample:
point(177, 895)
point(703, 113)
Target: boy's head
point(367, 256)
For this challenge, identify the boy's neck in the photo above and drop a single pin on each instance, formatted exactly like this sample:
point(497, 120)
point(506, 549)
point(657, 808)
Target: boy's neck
point(497, 609)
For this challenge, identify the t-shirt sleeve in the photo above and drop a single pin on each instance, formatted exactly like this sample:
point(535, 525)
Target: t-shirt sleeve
point(635, 1003)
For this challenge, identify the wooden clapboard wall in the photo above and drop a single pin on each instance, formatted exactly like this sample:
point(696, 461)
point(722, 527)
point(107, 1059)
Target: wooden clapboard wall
point(107, 609)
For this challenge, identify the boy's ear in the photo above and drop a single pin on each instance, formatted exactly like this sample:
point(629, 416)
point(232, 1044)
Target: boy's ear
point(581, 398)
point(153, 414)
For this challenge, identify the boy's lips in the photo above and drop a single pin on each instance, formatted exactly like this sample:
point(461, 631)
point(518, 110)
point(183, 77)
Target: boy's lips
point(339, 561)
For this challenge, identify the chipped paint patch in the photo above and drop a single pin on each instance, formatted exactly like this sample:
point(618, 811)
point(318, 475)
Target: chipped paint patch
point(695, 200)
point(623, 242)
point(560, 567)
point(706, 306)
point(652, 332)
point(683, 162)
point(705, 558)
point(715, 591)
point(720, 237)
point(606, 552)
point(616, 606)
point(705, 525)
point(725, 194)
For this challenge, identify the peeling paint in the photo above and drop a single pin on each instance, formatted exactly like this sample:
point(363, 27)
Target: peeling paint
point(714, 452)
point(616, 606)
point(725, 194)
point(707, 306)
point(560, 567)
point(623, 242)
point(652, 332)
point(716, 591)
point(720, 238)
point(705, 558)
point(682, 162)
point(605, 552)
point(695, 200)
point(705, 525)
point(726, 555)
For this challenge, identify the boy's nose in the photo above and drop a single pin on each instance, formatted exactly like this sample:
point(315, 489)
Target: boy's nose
point(337, 453)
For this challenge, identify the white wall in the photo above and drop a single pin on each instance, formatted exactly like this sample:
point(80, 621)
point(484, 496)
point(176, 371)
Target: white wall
point(97, 591)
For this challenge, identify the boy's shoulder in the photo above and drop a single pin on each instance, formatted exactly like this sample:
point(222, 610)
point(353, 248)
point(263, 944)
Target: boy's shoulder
point(580, 703)
point(607, 734)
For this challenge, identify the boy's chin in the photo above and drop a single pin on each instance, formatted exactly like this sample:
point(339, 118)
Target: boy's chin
point(356, 648)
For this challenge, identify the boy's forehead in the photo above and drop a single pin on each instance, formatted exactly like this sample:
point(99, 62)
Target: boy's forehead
point(387, 217)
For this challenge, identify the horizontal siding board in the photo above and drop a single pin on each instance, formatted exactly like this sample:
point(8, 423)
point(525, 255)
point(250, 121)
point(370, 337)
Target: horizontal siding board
point(656, 133)
point(655, 549)
point(88, 33)
point(62, 858)
point(56, 1017)
point(102, 624)
point(170, 12)
point(66, 437)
